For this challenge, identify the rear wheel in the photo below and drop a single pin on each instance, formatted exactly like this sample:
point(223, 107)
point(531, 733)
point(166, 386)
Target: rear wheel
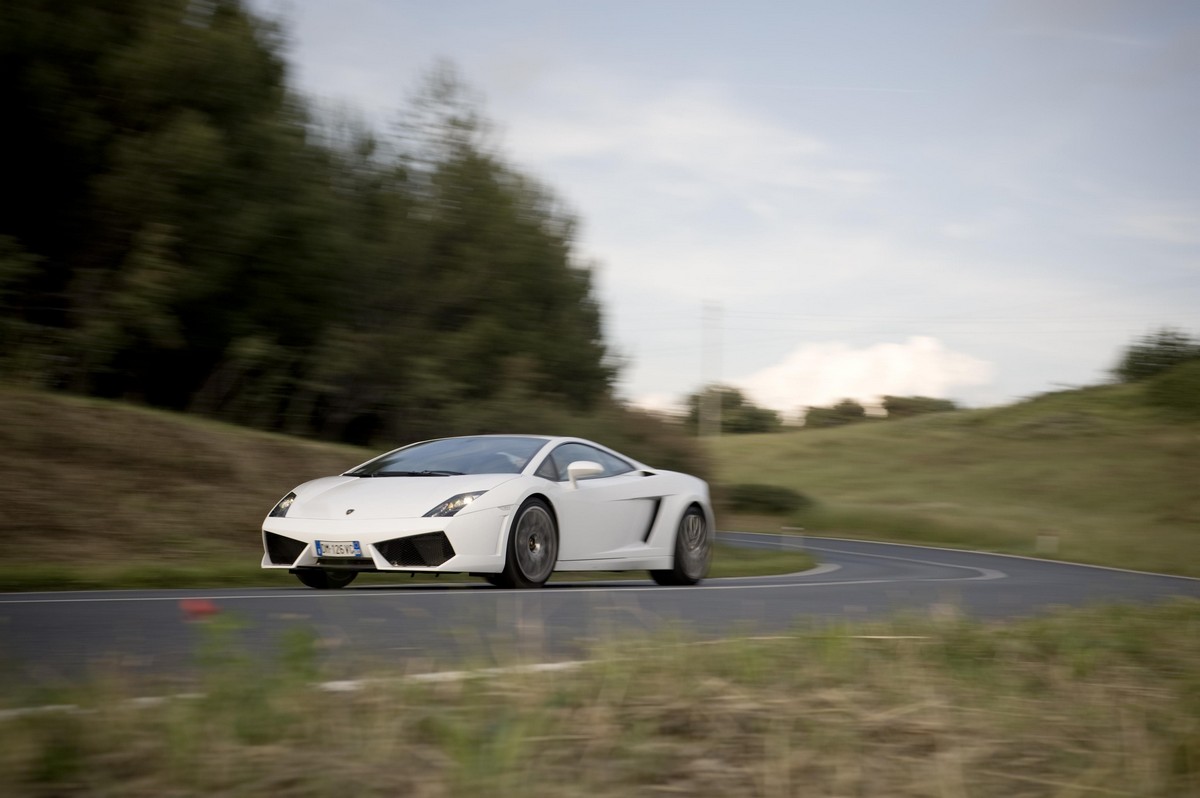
point(693, 551)
point(532, 547)
point(325, 580)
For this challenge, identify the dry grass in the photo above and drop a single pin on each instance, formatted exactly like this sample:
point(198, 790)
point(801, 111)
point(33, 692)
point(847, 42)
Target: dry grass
point(109, 481)
point(1085, 703)
point(1110, 480)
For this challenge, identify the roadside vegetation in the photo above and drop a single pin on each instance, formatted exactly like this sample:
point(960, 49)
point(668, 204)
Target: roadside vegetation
point(1082, 702)
point(1099, 475)
point(728, 561)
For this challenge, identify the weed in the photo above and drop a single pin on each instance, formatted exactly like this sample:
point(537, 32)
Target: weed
point(1099, 701)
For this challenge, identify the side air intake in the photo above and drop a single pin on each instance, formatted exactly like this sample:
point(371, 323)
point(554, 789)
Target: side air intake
point(281, 550)
point(425, 551)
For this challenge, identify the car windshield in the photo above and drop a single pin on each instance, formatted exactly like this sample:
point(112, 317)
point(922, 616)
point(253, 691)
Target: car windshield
point(453, 456)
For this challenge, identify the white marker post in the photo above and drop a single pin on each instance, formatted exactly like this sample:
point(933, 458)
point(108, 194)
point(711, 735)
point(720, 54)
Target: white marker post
point(791, 532)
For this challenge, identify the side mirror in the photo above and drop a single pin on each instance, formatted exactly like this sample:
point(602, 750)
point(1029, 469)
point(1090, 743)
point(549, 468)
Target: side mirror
point(581, 469)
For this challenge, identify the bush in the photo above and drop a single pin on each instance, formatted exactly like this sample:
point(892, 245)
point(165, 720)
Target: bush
point(738, 415)
point(846, 411)
point(769, 499)
point(1157, 354)
point(1177, 389)
point(907, 406)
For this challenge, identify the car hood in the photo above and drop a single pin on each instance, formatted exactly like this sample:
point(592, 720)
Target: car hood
point(373, 498)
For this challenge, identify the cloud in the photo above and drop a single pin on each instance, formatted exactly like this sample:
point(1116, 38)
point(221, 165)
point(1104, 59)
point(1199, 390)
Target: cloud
point(822, 373)
point(692, 131)
point(669, 404)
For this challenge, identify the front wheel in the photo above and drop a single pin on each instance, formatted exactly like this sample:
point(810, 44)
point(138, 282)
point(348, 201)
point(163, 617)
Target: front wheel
point(693, 551)
point(532, 547)
point(325, 580)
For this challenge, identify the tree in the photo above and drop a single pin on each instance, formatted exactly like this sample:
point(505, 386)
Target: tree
point(164, 169)
point(844, 412)
point(1155, 353)
point(466, 288)
point(906, 406)
point(181, 230)
point(738, 414)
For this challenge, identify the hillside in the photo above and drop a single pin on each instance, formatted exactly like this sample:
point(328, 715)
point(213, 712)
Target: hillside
point(1101, 477)
point(89, 479)
point(102, 493)
point(97, 494)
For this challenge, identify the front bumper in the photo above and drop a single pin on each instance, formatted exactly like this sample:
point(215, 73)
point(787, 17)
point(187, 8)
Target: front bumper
point(470, 542)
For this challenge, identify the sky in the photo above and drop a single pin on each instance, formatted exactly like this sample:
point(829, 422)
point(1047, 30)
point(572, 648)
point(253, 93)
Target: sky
point(812, 201)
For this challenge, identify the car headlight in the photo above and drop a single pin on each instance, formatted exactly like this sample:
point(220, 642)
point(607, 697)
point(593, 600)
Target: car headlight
point(284, 505)
point(455, 503)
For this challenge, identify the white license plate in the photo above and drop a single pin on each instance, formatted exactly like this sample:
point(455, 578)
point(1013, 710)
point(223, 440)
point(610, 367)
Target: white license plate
point(339, 548)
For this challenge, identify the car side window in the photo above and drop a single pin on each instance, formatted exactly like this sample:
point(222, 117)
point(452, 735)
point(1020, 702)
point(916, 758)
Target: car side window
point(547, 470)
point(569, 453)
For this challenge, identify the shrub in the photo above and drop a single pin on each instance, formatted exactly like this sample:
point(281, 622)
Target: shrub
point(1156, 354)
point(770, 499)
point(738, 415)
point(846, 411)
point(1177, 389)
point(906, 406)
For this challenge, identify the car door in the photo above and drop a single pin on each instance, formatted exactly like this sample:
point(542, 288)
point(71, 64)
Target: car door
point(605, 516)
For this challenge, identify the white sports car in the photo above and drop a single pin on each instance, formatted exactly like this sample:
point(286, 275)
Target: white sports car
point(510, 508)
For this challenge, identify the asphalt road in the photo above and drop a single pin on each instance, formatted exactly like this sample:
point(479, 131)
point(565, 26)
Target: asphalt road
point(156, 634)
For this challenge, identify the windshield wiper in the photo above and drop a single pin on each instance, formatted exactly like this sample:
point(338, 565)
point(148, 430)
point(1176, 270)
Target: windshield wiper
point(417, 474)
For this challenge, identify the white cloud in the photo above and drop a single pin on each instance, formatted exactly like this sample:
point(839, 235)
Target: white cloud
point(670, 404)
point(691, 130)
point(823, 373)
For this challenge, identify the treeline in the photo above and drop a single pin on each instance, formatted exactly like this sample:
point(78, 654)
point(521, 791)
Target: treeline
point(1165, 363)
point(177, 227)
point(848, 411)
point(727, 409)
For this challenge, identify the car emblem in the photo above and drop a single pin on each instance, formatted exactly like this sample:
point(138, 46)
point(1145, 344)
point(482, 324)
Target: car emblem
point(350, 511)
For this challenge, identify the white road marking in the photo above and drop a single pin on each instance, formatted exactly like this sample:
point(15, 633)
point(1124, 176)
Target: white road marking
point(1041, 560)
point(984, 574)
point(981, 574)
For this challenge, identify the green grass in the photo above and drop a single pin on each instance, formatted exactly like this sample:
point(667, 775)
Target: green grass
point(1105, 478)
point(728, 561)
point(1079, 703)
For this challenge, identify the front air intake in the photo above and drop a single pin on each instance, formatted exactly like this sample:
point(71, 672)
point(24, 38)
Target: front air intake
point(281, 550)
point(425, 551)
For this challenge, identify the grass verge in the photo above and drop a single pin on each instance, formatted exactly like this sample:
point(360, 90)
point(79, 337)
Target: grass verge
point(1080, 703)
point(728, 561)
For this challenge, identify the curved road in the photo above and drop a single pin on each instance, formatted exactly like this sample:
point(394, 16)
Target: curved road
point(48, 637)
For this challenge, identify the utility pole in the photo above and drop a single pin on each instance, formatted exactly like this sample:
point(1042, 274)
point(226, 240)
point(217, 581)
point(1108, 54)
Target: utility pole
point(710, 366)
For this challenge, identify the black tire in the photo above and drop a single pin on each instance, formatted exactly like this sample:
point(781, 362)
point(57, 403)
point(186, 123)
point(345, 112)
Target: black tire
point(325, 580)
point(693, 551)
point(532, 547)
